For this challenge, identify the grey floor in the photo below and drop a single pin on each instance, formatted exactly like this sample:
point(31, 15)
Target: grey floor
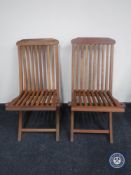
point(40, 154)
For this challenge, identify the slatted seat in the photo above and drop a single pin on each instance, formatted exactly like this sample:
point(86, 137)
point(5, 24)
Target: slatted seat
point(35, 100)
point(98, 101)
point(92, 72)
point(39, 81)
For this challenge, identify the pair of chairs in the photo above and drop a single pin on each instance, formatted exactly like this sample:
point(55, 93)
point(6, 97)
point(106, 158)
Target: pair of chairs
point(92, 72)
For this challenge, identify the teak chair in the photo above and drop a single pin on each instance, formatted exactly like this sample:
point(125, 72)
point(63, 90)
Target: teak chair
point(92, 72)
point(39, 81)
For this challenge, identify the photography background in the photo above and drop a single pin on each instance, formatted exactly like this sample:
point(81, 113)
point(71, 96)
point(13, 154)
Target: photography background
point(64, 20)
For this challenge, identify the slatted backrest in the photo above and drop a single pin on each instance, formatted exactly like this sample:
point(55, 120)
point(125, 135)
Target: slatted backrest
point(38, 64)
point(92, 63)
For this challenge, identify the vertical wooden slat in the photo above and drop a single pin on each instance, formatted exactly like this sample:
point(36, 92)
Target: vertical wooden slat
point(24, 68)
point(90, 68)
point(84, 75)
point(44, 55)
point(48, 67)
point(98, 69)
point(73, 68)
point(20, 69)
point(40, 67)
point(82, 68)
point(53, 69)
point(77, 66)
point(32, 63)
point(28, 68)
point(94, 69)
point(111, 67)
point(86, 67)
point(107, 68)
point(102, 69)
point(36, 68)
point(57, 68)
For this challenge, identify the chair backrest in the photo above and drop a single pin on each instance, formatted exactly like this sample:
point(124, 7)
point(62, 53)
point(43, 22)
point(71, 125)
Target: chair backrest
point(38, 64)
point(92, 63)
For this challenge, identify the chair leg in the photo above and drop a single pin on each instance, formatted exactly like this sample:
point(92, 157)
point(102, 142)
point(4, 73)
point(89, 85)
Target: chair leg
point(20, 127)
point(72, 127)
point(57, 125)
point(110, 127)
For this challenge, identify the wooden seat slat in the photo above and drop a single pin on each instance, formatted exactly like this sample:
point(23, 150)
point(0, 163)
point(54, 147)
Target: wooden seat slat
point(43, 101)
point(98, 98)
point(28, 102)
point(49, 98)
point(103, 99)
point(115, 102)
point(35, 98)
point(74, 98)
point(77, 98)
point(26, 99)
point(17, 98)
point(40, 98)
point(54, 96)
point(108, 99)
point(93, 97)
point(21, 99)
point(84, 97)
point(80, 98)
point(89, 98)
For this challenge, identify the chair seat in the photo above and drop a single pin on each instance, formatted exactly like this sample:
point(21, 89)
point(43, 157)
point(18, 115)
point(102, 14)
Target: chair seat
point(35, 100)
point(99, 101)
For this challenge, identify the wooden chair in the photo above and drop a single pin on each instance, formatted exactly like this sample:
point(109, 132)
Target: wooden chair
point(92, 72)
point(39, 81)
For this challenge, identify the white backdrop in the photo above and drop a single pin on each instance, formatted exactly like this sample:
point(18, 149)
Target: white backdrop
point(64, 20)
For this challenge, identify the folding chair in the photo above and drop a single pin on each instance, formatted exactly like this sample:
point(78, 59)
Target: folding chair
point(38, 81)
point(92, 72)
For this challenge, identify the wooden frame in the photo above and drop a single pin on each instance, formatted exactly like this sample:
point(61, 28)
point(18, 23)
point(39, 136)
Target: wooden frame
point(38, 81)
point(92, 73)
